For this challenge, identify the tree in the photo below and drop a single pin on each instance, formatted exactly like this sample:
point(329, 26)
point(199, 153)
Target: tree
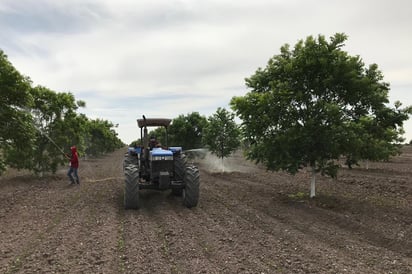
point(314, 104)
point(102, 137)
point(186, 131)
point(222, 135)
point(58, 125)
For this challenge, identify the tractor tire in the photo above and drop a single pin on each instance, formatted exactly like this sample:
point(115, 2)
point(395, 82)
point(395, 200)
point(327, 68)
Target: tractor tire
point(131, 191)
point(180, 166)
point(191, 190)
point(129, 160)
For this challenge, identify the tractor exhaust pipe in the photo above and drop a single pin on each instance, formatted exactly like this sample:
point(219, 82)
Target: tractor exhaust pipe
point(145, 140)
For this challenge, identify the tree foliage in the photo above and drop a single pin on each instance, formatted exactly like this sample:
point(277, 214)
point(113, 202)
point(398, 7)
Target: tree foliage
point(315, 103)
point(187, 130)
point(102, 138)
point(38, 125)
point(16, 129)
point(222, 135)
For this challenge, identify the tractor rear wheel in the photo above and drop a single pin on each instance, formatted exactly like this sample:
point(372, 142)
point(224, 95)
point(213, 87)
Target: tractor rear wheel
point(131, 191)
point(191, 190)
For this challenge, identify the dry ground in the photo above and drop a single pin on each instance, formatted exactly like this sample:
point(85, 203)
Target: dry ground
point(247, 221)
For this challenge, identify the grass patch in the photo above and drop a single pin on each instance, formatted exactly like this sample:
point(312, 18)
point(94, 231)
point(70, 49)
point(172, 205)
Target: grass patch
point(121, 247)
point(15, 266)
point(327, 202)
point(163, 237)
point(300, 196)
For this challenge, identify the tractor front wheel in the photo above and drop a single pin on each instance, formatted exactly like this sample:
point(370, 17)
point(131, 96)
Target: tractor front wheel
point(131, 191)
point(130, 160)
point(191, 190)
point(180, 166)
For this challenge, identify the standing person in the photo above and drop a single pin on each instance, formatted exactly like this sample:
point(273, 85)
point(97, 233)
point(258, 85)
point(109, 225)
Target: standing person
point(74, 166)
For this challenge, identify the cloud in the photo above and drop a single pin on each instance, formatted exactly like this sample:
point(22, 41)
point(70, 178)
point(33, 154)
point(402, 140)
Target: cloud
point(163, 58)
point(45, 16)
point(126, 61)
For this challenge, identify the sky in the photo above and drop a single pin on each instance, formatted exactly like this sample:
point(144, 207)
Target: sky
point(129, 58)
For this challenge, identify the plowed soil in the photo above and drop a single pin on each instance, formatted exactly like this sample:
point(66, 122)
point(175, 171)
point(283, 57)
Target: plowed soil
point(248, 221)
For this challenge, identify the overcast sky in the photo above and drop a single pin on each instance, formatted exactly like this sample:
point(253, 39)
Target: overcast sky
point(127, 58)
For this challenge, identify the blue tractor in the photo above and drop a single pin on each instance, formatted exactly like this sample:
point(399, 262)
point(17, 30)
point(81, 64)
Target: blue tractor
point(153, 166)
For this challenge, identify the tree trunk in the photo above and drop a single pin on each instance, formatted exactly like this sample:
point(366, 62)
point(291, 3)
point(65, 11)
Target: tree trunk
point(223, 166)
point(313, 183)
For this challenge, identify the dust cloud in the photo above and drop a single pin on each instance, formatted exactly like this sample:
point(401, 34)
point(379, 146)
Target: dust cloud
point(211, 163)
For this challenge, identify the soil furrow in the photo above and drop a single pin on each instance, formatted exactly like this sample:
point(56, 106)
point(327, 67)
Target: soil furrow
point(247, 221)
point(312, 222)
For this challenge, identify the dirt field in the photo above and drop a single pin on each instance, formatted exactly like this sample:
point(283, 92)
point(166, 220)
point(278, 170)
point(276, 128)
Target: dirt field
point(247, 221)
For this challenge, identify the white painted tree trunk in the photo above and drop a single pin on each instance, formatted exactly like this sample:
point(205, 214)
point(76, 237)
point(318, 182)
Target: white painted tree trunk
point(367, 164)
point(313, 183)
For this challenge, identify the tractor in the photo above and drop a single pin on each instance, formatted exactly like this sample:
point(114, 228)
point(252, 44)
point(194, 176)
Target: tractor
point(154, 166)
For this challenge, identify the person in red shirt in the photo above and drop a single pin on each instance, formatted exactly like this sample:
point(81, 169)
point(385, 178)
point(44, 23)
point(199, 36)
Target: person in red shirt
point(74, 166)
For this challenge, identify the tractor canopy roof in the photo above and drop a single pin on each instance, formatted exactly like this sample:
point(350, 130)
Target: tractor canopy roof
point(154, 122)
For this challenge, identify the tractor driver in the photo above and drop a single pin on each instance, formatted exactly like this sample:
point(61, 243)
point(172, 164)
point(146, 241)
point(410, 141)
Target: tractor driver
point(153, 142)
